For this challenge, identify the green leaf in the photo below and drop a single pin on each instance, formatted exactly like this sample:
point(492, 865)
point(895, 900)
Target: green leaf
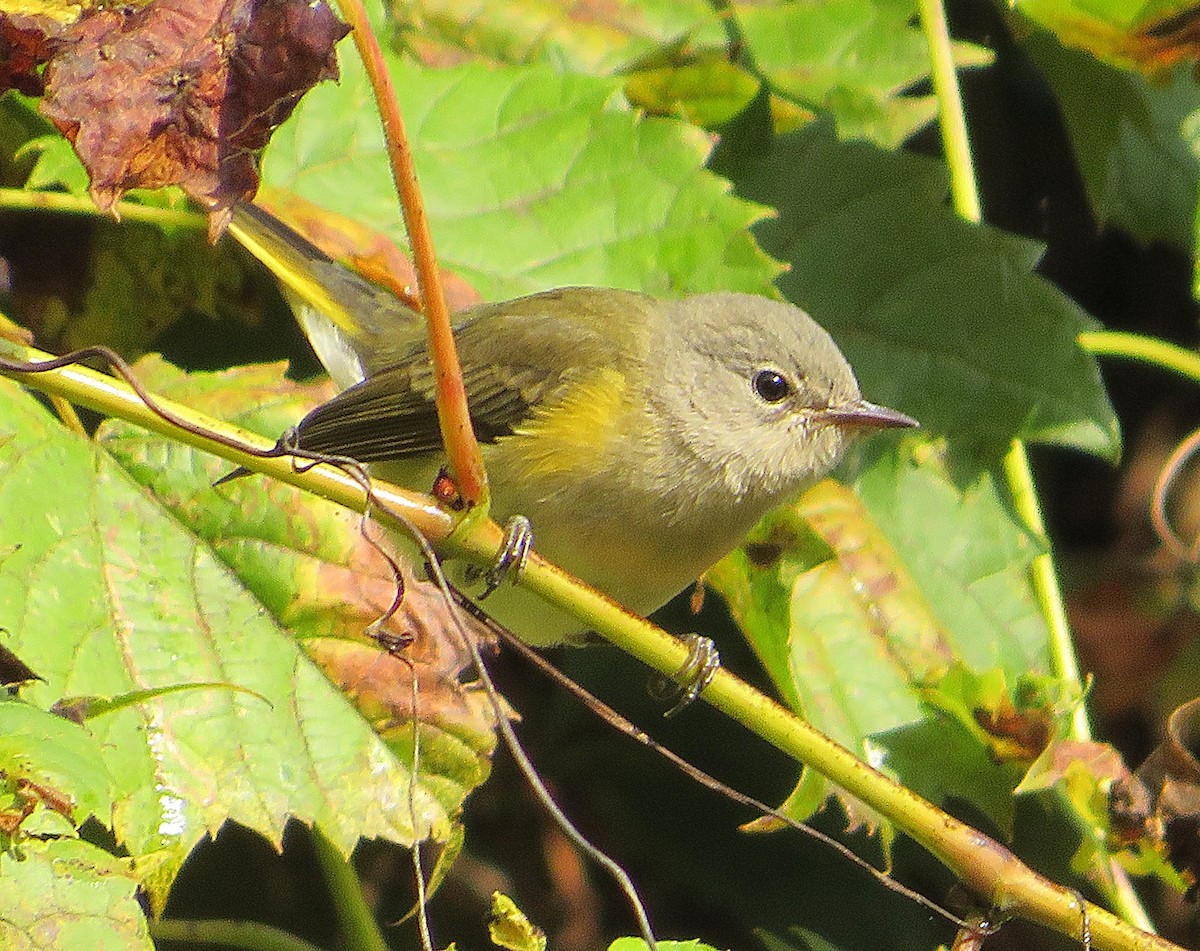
point(1135, 141)
point(1151, 35)
point(43, 748)
point(813, 630)
point(68, 895)
point(853, 58)
point(798, 939)
point(940, 318)
point(57, 165)
point(132, 298)
point(855, 626)
point(940, 760)
point(638, 944)
point(976, 577)
point(312, 567)
point(597, 39)
point(707, 93)
point(509, 928)
point(532, 180)
point(1115, 13)
point(105, 592)
point(676, 56)
point(821, 627)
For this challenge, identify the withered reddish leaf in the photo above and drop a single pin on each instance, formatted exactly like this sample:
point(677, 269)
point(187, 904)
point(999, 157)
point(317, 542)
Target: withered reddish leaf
point(28, 794)
point(1162, 799)
point(185, 92)
point(1059, 757)
point(1016, 735)
point(26, 41)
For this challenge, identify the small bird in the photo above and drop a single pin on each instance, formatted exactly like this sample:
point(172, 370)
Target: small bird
point(641, 437)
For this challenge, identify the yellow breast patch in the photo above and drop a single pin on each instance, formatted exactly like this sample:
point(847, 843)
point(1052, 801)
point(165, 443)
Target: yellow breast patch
point(566, 436)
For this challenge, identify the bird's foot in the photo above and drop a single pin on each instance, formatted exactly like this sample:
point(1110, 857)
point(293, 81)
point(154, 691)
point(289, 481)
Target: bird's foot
point(512, 556)
point(702, 663)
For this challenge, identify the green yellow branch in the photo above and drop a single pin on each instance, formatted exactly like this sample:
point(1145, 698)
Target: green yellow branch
point(985, 866)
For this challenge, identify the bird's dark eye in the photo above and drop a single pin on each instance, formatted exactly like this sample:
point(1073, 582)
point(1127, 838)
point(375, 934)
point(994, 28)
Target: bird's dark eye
point(771, 386)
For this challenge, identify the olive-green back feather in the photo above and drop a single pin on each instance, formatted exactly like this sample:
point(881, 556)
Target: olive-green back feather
point(517, 356)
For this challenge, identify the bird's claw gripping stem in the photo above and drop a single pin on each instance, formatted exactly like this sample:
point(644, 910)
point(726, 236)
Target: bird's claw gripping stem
point(512, 556)
point(702, 663)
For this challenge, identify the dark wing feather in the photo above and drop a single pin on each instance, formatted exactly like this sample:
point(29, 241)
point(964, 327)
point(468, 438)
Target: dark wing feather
point(385, 417)
point(380, 418)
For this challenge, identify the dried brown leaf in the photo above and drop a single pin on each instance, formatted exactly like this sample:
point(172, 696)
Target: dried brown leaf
point(1161, 801)
point(185, 92)
point(26, 42)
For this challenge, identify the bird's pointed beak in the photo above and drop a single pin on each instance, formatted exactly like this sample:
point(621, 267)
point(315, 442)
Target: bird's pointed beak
point(861, 414)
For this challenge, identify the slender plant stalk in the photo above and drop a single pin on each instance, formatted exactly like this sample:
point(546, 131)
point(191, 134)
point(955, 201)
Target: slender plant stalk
point(953, 123)
point(112, 397)
point(1045, 579)
point(19, 199)
point(357, 925)
point(983, 865)
point(226, 933)
point(965, 194)
point(458, 436)
point(1159, 353)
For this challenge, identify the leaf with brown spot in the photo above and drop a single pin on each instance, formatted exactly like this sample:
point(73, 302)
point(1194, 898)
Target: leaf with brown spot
point(820, 593)
point(1013, 722)
point(112, 593)
point(1060, 757)
point(26, 42)
point(185, 92)
point(1150, 37)
point(1084, 773)
point(372, 253)
point(142, 578)
point(593, 36)
point(1160, 803)
point(316, 567)
point(898, 617)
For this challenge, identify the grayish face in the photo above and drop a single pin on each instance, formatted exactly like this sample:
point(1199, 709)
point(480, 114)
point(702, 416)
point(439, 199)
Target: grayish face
point(746, 397)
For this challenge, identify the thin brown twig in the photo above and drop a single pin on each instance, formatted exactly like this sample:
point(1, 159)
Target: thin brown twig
point(458, 436)
point(414, 773)
point(395, 646)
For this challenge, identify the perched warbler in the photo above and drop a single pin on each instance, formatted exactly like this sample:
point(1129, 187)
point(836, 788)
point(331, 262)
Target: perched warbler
point(641, 437)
